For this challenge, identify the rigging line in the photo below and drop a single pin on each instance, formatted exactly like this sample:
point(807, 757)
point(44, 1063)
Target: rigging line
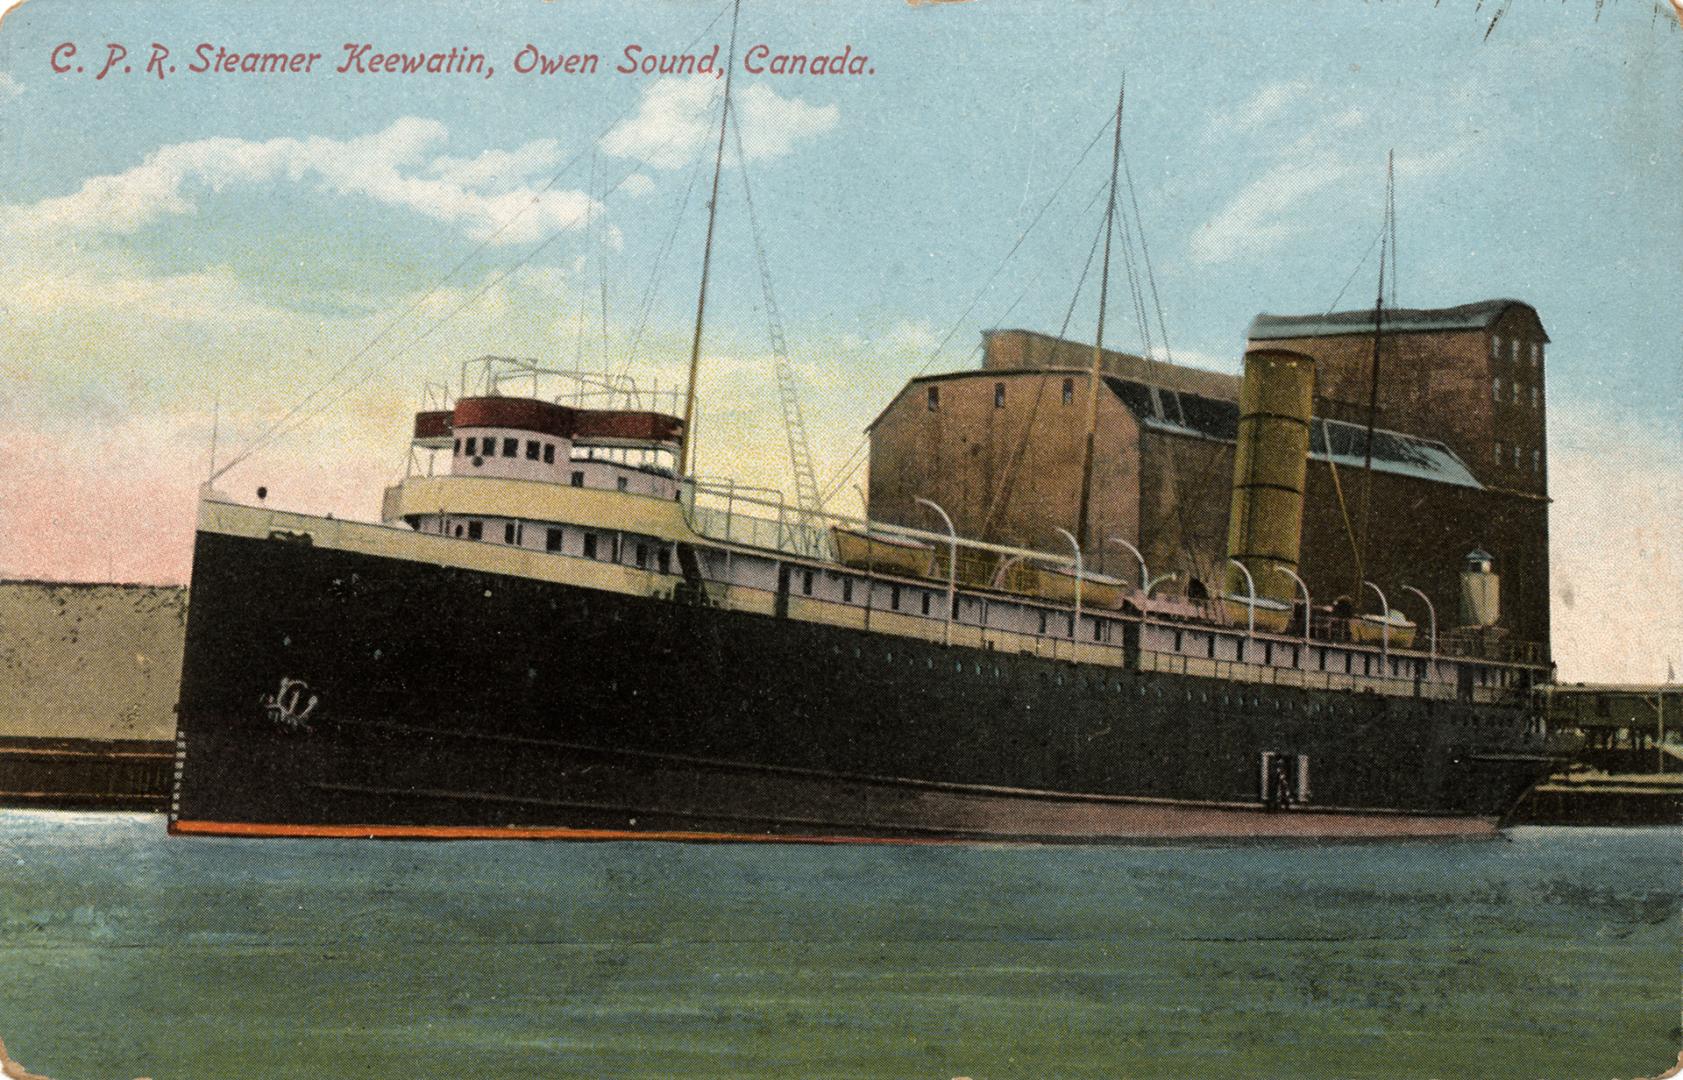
point(424, 334)
point(645, 307)
point(1371, 244)
point(1391, 208)
point(263, 437)
point(976, 299)
point(589, 218)
point(1081, 282)
point(1136, 292)
point(1145, 253)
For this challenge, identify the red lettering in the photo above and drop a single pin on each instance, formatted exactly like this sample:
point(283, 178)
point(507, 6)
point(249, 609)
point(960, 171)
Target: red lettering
point(64, 52)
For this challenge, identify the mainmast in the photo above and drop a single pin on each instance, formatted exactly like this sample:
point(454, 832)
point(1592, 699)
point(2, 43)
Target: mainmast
point(1098, 339)
point(1385, 243)
point(686, 461)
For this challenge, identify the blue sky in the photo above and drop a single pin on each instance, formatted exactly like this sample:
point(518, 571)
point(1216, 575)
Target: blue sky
point(246, 235)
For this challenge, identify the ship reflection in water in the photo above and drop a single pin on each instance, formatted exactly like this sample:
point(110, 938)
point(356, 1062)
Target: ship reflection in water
point(1552, 952)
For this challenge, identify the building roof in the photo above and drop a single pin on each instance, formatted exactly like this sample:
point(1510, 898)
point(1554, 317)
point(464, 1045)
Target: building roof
point(1329, 440)
point(1480, 315)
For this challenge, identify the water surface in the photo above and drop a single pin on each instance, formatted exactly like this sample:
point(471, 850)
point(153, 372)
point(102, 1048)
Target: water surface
point(1553, 953)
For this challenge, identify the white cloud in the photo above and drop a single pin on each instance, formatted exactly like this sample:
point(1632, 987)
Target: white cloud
point(673, 123)
point(1264, 212)
point(1267, 103)
point(487, 197)
point(9, 87)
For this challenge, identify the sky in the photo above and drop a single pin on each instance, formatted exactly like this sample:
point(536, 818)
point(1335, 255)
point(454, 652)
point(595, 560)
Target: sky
point(228, 244)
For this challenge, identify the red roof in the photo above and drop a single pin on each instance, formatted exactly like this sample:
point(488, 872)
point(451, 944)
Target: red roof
point(561, 421)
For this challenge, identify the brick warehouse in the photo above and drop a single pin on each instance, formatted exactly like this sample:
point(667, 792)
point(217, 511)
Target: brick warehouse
point(1459, 456)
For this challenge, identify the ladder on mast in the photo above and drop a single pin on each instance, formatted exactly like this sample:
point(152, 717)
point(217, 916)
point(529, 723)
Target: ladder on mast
point(807, 500)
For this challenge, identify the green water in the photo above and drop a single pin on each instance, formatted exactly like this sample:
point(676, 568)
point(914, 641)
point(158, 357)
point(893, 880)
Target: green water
point(1551, 954)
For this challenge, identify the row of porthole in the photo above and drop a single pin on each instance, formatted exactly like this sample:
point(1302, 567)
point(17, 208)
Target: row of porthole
point(1115, 686)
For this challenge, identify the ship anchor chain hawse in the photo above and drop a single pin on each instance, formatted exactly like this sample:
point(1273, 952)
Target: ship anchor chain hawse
point(563, 632)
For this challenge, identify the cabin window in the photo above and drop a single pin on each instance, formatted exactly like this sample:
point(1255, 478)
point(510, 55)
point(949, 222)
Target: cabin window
point(934, 398)
point(642, 556)
point(1069, 391)
point(1177, 640)
point(476, 530)
point(578, 478)
point(620, 483)
point(552, 542)
point(1323, 658)
point(458, 530)
point(1239, 645)
point(1367, 664)
point(999, 395)
point(894, 597)
point(590, 545)
point(511, 447)
point(531, 449)
point(1098, 630)
point(1042, 622)
point(1268, 652)
point(473, 442)
point(458, 450)
point(806, 583)
point(508, 532)
point(663, 559)
point(926, 603)
point(1349, 662)
point(618, 549)
point(549, 453)
point(847, 590)
point(1209, 645)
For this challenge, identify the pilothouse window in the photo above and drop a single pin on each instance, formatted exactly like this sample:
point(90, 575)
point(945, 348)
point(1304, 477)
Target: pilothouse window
point(511, 447)
point(531, 449)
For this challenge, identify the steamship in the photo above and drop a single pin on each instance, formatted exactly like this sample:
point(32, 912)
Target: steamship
point(558, 630)
point(560, 635)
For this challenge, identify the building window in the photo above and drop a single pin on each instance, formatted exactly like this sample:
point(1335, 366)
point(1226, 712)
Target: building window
point(1536, 397)
point(1495, 348)
point(999, 395)
point(1498, 451)
point(590, 545)
point(549, 453)
point(1496, 388)
point(1536, 461)
point(476, 530)
point(1536, 354)
point(1513, 351)
point(1515, 394)
point(552, 542)
point(508, 532)
point(1517, 457)
point(511, 447)
point(531, 449)
point(1069, 391)
point(578, 478)
point(473, 442)
point(934, 398)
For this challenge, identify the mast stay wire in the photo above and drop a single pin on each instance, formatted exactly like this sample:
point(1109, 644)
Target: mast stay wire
point(277, 429)
point(645, 306)
point(471, 299)
point(845, 471)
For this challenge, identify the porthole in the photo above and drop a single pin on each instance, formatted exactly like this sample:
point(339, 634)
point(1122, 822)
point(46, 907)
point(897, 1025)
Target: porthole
point(958, 666)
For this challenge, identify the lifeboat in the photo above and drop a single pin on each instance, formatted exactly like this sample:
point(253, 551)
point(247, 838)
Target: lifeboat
point(881, 553)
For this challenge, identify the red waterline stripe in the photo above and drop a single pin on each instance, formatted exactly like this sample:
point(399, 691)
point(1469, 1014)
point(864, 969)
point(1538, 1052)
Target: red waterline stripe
point(517, 832)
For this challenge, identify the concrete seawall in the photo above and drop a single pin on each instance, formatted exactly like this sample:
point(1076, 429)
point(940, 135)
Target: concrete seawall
point(88, 681)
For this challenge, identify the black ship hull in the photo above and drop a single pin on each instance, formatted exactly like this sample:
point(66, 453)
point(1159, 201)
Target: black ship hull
point(330, 692)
